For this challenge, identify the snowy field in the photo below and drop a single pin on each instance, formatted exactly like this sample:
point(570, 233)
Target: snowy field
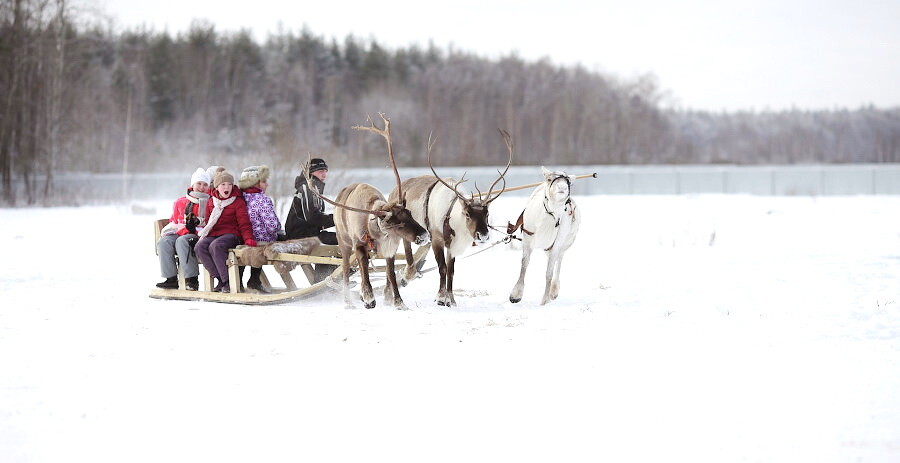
point(688, 328)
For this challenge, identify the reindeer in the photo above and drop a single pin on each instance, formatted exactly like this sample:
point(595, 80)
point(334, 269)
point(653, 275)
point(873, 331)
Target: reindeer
point(365, 221)
point(453, 220)
point(550, 222)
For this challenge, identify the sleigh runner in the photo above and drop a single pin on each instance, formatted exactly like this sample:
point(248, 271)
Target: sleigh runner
point(282, 263)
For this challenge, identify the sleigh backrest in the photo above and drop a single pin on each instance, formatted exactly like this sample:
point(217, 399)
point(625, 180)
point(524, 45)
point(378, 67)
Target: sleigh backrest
point(158, 225)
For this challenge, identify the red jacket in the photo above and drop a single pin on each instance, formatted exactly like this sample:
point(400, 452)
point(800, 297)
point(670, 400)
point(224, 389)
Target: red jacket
point(234, 218)
point(177, 218)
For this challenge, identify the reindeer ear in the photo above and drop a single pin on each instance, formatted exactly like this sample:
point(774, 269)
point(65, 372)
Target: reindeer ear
point(546, 173)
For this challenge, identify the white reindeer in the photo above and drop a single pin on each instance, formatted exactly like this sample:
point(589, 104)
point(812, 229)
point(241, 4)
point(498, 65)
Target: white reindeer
point(550, 222)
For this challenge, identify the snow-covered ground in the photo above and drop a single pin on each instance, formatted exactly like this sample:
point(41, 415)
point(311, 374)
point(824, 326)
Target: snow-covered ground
point(688, 328)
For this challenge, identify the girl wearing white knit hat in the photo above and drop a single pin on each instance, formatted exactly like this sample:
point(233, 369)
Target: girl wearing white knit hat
point(180, 234)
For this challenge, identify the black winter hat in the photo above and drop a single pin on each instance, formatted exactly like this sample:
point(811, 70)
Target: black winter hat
point(316, 164)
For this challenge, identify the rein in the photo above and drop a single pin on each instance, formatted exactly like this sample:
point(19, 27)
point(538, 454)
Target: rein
point(510, 235)
point(504, 240)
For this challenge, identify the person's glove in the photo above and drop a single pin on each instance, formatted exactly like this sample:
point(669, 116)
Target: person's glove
point(250, 242)
point(190, 223)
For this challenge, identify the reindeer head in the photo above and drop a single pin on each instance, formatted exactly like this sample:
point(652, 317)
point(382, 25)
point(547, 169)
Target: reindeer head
point(476, 214)
point(557, 184)
point(398, 220)
point(475, 207)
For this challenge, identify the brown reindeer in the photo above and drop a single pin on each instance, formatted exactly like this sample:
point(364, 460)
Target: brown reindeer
point(365, 221)
point(453, 220)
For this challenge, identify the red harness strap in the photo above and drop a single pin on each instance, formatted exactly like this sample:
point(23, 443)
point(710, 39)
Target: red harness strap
point(370, 242)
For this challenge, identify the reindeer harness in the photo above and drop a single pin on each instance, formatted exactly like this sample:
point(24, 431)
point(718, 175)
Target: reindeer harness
point(369, 241)
point(448, 232)
point(568, 206)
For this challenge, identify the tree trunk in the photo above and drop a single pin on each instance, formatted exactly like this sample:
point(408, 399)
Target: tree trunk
point(8, 133)
point(127, 147)
point(56, 97)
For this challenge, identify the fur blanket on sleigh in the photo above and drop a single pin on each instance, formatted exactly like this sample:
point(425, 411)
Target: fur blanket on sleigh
point(262, 254)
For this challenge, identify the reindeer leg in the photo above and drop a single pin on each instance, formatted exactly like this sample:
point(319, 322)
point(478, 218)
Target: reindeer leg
point(387, 292)
point(365, 290)
point(552, 259)
point(519, 287)
point(438, 249)
point(345, 270)
point(554, 284)
point(391, 291)
point(411, 271)
point(451, 265)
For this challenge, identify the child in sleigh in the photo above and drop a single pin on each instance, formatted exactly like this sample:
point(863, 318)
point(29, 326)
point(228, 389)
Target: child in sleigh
point(178, 236)
point(254, 182)
point(228, 225)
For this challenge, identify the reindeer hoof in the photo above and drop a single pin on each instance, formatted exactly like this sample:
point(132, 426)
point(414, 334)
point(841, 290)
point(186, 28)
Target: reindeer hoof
point(370, 305)
point(403, 282)
point(514, 299)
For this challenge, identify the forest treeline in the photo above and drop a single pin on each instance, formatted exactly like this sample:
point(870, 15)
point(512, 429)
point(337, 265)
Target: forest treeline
point(77, 96)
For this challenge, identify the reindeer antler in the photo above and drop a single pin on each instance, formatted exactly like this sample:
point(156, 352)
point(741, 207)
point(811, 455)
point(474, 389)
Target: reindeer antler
point(386, 133)
point(438, 177)
point(508, 140)
point(335, 203)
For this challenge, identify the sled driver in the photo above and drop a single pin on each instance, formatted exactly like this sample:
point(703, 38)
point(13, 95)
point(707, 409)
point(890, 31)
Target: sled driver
point(306, 216)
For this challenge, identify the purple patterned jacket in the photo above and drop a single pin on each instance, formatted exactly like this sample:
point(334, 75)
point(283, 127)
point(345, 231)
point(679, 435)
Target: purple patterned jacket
point(262, 215)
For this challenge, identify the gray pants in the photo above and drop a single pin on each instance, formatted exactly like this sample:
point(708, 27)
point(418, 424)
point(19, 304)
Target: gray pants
point(168, 247)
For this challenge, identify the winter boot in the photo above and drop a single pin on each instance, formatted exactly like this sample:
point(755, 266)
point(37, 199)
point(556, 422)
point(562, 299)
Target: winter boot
point(170, 283)
point(254, 281)
point(191, 284)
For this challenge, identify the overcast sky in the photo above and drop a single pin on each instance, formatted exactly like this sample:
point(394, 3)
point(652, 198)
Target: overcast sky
point(714, 55)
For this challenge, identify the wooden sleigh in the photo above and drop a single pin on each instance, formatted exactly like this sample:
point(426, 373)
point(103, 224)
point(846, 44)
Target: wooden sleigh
point(323, 254)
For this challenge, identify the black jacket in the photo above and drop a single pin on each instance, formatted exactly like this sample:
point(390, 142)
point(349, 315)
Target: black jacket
point(307, 216)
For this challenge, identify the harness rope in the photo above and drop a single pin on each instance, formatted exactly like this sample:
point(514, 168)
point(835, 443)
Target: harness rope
point(506, 239)
point(427, 201)
point(447, 230)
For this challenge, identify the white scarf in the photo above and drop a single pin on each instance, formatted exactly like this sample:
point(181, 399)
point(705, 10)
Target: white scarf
point(200, 200)
point(218, 206)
